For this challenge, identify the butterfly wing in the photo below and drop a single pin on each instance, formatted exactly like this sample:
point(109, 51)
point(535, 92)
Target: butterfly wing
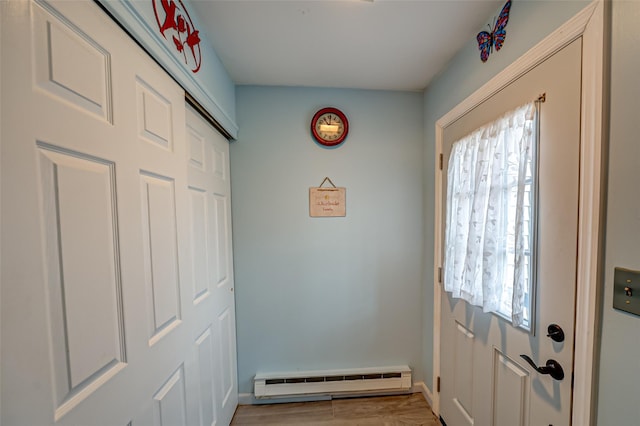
point(498, 38)
point(484, 44)
point(499, 33)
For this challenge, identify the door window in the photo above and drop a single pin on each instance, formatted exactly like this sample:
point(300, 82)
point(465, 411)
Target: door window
point(490, 219)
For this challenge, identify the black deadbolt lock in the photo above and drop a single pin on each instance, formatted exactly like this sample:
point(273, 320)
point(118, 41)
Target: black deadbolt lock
point(555, 332)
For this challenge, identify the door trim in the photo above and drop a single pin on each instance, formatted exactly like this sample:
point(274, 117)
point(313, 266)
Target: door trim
point(590, 25)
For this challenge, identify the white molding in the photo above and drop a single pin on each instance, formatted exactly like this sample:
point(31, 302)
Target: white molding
point(250, 399)
point(127, 14)
point(590, 217)
point(245, 399)
point(421, 387)
point(588, 24)
point(437, 263)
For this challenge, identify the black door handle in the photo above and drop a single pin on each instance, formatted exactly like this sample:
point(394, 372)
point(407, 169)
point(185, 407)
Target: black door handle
point(553, 367)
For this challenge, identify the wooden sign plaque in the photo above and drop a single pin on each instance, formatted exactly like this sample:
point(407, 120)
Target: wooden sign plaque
point(327, 202)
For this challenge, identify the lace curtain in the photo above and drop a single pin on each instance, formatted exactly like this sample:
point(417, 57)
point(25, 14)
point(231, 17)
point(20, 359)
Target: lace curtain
point(488, 226)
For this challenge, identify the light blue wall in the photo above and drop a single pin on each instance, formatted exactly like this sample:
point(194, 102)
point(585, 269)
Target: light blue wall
point(619, 391)
point(529, 23)
point(357, 291)
point(323, 293)
point(211, 85)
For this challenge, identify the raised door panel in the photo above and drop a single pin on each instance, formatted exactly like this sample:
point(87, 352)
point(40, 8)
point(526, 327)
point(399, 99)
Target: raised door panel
point(463, 369)
point(220, 239)
point(510, 392)
point(60, 48)
point(199, 243)
point(196, 146)
point(226, 365)
point(170, 406)
point(83, 282)
point(226, 358)
point(207, 392)
point(161, 254)
point(220, 162)
point(154, 115)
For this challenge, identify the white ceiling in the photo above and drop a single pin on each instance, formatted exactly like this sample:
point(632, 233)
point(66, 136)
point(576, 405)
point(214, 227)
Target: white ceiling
point(363, 44)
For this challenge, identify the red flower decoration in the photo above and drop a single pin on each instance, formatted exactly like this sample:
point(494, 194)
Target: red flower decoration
point(182, 24)
point(170, 16)
point(178, 44)
point(175, 24)
point(193, 38)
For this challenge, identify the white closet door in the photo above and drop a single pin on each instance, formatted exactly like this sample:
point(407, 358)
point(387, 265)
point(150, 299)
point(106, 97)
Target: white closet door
point(212, 264)
point(99, 324)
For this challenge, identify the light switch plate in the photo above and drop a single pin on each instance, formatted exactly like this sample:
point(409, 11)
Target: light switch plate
point(626, 290)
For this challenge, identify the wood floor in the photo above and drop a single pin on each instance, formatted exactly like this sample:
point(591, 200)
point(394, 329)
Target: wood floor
point(374, 411)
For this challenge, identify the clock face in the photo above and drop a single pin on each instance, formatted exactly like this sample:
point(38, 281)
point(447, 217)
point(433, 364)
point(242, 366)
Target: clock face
point(329, 126)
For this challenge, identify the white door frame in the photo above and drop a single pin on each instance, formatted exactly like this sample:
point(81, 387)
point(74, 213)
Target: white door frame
point(590, 25)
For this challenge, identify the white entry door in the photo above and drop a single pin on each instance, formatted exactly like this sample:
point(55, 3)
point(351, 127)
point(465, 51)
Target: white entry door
point(212, 262)
point(105, 320)
point(484, 379)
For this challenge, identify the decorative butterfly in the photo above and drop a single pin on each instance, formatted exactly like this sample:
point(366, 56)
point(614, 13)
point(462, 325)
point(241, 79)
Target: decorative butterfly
point(486, 40)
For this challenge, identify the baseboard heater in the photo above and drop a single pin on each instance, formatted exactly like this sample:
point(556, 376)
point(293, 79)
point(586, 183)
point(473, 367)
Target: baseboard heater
point(333, 382)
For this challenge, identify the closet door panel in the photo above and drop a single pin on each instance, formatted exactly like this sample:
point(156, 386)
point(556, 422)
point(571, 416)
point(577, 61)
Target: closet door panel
point(101, 273)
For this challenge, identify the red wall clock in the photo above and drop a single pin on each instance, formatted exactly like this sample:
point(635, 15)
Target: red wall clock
point(329, 126)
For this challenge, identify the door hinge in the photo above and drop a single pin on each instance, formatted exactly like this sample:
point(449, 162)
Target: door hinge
point(440, 274)
point(438, 384)
point(441, 161)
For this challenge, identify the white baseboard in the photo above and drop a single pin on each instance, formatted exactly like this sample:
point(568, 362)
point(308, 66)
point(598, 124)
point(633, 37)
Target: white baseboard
point(421, 387)
point(245, 399)
point(250, 399)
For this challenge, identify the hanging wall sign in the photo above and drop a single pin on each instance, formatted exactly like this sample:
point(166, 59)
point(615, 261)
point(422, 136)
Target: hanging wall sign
point(175, 25)
point(327, 202)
